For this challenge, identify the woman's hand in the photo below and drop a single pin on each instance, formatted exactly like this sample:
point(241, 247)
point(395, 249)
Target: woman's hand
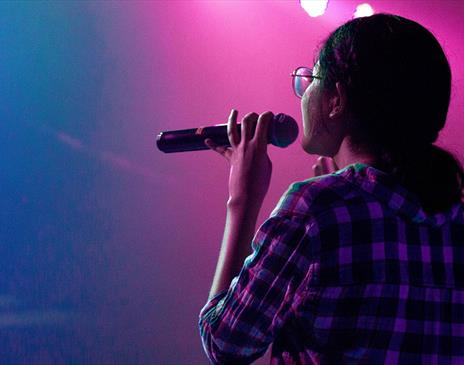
point(250, 174)
point(250, 166)
point(324, 166)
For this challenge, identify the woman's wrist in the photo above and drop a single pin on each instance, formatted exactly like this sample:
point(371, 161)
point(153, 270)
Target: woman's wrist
point(244, 206)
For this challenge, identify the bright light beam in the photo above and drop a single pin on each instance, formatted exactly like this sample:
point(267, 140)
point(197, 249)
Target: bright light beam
point(314, 7)
point(363, 10)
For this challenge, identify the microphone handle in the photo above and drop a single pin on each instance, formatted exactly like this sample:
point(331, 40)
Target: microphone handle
point(193, 139)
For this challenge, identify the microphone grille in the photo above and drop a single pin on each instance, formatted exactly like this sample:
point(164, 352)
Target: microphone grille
point(283, 130)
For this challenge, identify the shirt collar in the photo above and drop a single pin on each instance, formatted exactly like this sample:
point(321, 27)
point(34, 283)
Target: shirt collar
point(387, 189)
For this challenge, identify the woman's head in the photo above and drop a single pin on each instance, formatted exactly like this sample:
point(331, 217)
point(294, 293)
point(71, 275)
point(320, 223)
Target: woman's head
point(383, 83)
point(397, 81)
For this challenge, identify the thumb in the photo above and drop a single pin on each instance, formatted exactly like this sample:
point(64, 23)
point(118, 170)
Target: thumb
point(223, 151)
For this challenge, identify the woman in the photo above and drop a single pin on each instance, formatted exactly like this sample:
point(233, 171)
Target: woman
point(365, 264)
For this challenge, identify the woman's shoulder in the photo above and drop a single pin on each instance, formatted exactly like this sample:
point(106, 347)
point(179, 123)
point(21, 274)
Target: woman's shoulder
point(363, 189)
point(311, 196)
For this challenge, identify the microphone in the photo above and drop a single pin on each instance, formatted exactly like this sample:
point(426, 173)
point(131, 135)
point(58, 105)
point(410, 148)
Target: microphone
point(282, 131)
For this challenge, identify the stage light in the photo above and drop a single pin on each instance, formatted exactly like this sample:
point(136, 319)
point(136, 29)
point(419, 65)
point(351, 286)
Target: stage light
point(363, 10)
point(314, 7)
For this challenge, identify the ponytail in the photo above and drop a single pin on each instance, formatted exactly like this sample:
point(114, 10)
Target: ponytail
point(431, 172)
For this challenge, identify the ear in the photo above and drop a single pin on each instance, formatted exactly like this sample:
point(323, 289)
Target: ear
point(338, 101)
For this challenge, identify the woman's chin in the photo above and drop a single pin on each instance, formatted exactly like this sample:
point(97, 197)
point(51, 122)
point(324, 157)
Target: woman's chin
point(309, 146)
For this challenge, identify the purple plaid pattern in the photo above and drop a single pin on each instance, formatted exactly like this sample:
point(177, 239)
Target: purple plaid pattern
point(348, 269)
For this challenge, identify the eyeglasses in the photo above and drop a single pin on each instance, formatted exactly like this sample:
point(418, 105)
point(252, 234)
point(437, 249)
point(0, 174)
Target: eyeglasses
point(301, 79)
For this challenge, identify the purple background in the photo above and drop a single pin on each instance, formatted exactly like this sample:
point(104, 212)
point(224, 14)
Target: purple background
point(108, 246)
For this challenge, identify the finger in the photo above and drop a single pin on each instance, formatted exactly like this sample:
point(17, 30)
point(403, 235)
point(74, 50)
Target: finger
point(324, 163)
point(248, 126)
point(262, 129)
point(334, 165)
point(232, 131)
point(222, 150)
point(328, 165)
point(317, 170)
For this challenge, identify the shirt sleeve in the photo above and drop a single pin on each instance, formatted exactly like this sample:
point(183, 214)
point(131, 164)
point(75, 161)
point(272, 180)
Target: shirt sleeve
point(237, 325)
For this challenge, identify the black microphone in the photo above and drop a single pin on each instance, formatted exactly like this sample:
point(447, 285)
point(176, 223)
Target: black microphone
point(282, 131)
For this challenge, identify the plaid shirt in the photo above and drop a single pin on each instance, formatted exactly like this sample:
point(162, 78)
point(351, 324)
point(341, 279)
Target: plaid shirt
point(348, 269)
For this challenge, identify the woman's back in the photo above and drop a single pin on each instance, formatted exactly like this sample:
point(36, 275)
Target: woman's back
point(385, 282)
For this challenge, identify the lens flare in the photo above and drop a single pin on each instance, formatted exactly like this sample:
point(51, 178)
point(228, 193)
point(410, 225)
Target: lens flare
point(314, 7)
point(363, 10)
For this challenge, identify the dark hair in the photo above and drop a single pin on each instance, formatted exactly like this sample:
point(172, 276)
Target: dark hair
point(398, 84)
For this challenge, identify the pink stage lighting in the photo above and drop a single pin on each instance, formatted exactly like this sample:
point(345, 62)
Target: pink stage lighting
point(314, 7)
point(363, 10)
